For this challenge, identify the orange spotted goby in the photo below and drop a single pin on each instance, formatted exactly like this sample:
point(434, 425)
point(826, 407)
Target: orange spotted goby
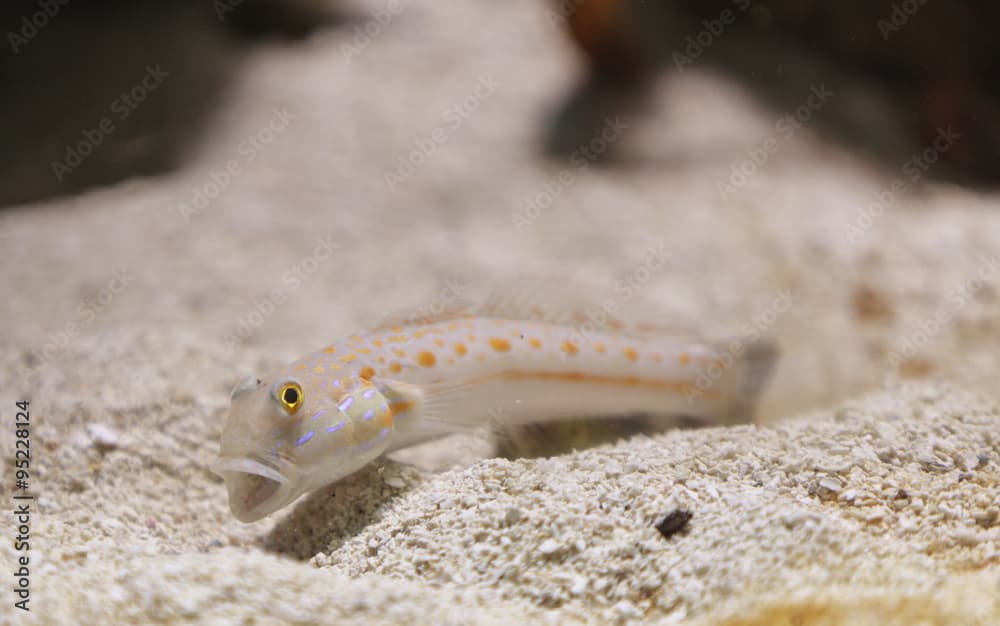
point(334, 411)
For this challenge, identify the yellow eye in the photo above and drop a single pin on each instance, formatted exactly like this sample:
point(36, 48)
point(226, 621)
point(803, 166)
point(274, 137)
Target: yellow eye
point(290, 396)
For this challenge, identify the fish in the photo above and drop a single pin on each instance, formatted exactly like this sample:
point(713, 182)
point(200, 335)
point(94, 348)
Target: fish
point(337, 409)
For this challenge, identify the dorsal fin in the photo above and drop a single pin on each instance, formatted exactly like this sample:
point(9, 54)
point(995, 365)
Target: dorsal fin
point(573, 301)
point(558, 300)
point(422, 315)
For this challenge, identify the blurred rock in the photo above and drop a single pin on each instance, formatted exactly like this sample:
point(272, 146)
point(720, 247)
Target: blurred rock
point(95, 92)
point(940, 60)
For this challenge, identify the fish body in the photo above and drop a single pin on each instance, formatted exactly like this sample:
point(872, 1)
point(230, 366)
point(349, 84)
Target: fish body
point(333, 411)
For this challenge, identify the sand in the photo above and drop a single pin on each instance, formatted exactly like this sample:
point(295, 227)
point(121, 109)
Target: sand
point(869, 492)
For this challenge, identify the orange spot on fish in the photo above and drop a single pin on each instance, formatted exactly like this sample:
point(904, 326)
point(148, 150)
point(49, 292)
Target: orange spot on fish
point(395, 367)
point(600, 347)
point(500, 345)
point(397, 338)
point(319, 369)
point(377, 343)
point(300, 366)
point(426, 359)
point(347, 358)
point(631, 354)
point(357, 338)
point(396, 329)
point(330, 350)
point(569, 347)
point(683, 358)
point(364, 351)
point(460, 349)
point(535, 342)
point(398, 407)
point(367, 372)
point(381, 359)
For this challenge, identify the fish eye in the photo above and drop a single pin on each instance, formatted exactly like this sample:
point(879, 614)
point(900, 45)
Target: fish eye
point(290, 396)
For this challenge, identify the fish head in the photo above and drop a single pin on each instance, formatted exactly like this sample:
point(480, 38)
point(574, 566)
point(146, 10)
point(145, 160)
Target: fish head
point(294, 433)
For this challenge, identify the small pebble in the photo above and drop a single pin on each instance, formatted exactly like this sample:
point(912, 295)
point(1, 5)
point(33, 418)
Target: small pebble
point(966, 537)
point(831, 484)
point(674, 522)
point(549, 546)
point(625, 609)
point(512, 516)
point(969, 462)
point(103, 436)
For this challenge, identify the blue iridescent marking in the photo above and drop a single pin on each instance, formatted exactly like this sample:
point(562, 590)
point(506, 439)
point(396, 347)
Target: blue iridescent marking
point(370, 413)
point(318, 413)
point(336, 427)
point(336, 383)
point(346, 404)
point(368, 394)
point(384, 408)
point(304, 438)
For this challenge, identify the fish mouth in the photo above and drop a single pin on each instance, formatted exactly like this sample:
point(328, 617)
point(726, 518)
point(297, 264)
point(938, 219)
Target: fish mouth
point(255, 489)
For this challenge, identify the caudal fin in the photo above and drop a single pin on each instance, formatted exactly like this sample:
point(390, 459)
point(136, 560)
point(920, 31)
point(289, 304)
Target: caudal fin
point(750, 375)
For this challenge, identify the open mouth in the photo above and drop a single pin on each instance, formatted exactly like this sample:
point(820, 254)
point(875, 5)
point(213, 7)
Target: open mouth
point(251, 485)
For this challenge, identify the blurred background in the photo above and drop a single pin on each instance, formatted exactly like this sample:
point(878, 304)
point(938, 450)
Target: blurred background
point(195, 190)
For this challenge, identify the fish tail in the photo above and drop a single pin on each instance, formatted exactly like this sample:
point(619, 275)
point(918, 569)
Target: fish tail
point(748, 375)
